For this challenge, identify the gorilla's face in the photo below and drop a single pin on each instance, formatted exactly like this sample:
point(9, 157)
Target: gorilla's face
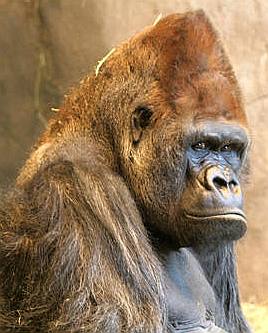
point(184, 167)
point(210, 207)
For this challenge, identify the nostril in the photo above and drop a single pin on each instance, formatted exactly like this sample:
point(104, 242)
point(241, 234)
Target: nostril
point(233, 184)
point(220, 182)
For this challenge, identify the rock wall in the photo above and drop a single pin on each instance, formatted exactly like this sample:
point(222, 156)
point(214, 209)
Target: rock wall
point(46, 46)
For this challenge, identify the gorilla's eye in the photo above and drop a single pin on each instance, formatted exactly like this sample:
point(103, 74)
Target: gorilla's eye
point(200, 146)
point(140, 120)
point(227, 148)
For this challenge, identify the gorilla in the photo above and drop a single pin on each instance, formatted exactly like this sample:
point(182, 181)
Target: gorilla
point(125, 215)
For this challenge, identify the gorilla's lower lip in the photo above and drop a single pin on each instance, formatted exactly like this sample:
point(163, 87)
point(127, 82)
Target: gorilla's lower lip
point(236, 215)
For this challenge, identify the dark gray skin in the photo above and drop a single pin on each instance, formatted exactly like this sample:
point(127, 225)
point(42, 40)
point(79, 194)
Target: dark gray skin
point(214, 192)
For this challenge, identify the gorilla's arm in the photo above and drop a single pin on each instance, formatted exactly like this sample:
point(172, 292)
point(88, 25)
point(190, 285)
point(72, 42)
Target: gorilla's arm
point(70, 255)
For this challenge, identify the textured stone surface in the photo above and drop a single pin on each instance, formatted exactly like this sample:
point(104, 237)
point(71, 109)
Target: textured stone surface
point(48, 45)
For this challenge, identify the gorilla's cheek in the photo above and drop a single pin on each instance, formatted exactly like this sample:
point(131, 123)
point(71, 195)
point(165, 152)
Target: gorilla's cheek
point(167, 174)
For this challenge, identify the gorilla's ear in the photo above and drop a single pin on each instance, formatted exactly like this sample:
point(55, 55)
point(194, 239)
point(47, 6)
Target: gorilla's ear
point(139, 121)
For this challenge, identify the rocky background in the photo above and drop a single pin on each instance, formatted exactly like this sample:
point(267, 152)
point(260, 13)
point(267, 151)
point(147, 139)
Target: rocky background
point(47, 46)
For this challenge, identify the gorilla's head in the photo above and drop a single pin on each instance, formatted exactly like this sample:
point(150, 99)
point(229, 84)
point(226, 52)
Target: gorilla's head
point(181, 131)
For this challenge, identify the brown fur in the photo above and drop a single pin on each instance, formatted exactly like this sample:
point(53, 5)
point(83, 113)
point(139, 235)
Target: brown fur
point(75, 252)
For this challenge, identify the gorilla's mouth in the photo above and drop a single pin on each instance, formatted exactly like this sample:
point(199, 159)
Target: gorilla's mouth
point(230, 215)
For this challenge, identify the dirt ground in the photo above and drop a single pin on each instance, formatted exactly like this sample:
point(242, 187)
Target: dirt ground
point(257, 316)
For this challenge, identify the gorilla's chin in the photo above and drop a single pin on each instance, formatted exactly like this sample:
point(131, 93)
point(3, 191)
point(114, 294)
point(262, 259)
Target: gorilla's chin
point(217, 227)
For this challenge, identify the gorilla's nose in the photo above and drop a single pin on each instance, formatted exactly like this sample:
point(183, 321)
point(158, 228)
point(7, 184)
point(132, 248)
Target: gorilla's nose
point(224, 182)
